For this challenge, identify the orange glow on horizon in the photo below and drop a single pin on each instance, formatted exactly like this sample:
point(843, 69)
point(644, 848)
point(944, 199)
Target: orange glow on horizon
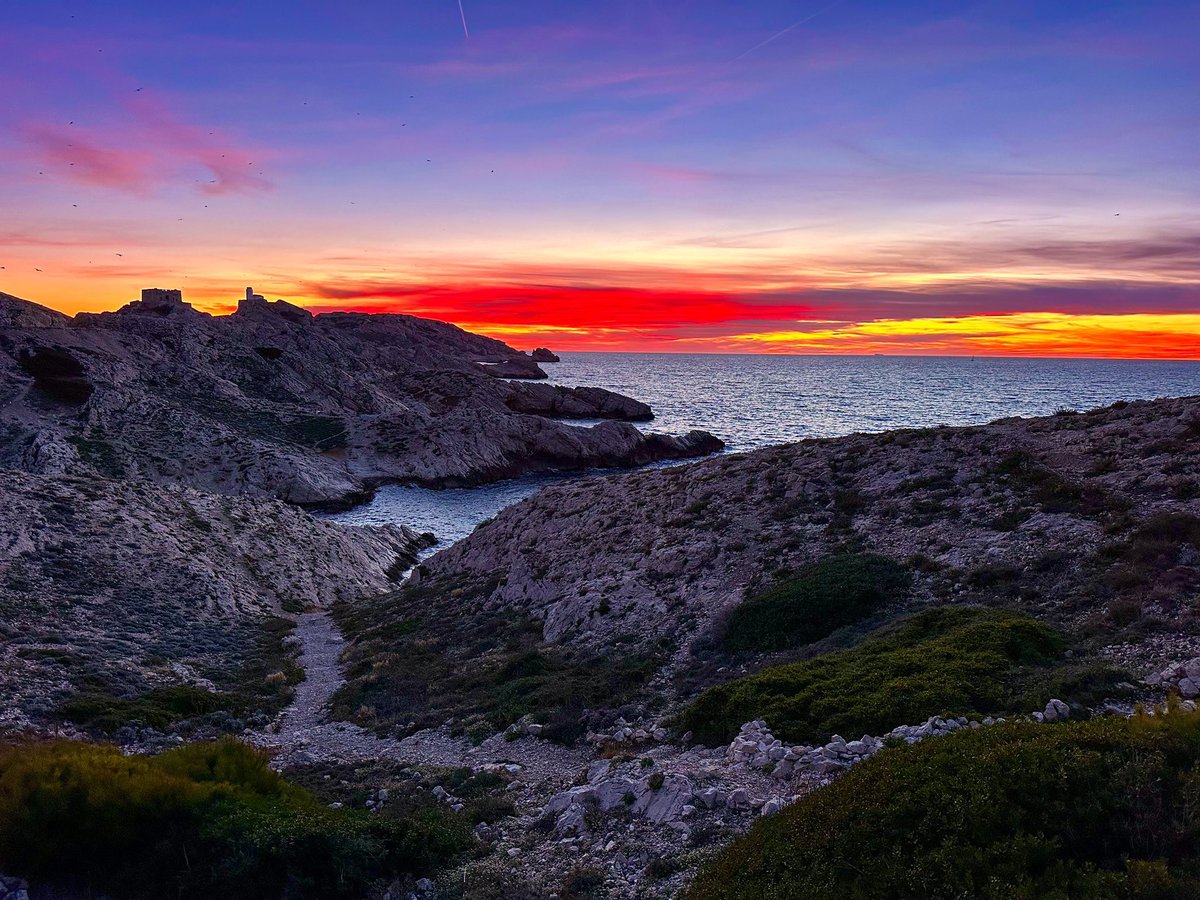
point(710, 318)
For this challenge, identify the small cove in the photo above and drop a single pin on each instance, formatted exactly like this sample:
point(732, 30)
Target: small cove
point(755, 401)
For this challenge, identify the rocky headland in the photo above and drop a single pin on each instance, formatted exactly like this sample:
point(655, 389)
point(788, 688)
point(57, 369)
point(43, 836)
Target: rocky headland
point(712, 631)
point(272, 401)
point(1043, 513)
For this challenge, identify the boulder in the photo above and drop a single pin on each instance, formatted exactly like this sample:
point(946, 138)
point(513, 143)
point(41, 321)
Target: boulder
point(1056, 711)
point(667, 802)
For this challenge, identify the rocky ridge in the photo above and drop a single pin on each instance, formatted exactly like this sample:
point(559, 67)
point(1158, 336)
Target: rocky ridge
point(1051, 513)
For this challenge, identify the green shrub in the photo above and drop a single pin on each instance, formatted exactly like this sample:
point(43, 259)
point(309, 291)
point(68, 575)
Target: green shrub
point(204, 820)
point(949, 660)
point(805, 607)
point(1098, 809)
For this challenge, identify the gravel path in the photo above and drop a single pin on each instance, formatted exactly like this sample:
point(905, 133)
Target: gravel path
point(320, 650)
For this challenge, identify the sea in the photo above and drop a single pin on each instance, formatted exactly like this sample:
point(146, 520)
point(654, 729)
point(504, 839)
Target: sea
point(752, 401)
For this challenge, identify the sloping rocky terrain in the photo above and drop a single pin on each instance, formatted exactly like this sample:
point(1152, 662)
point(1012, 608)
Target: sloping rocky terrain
point(117, 588)
point(597, 611)
point(274, 402)
point(1081, 517)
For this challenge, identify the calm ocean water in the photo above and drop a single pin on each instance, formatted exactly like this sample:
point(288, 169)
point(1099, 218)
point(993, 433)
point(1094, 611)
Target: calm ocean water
point(753, 401)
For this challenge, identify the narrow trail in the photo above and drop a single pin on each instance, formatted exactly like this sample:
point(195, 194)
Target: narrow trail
point(306, 734)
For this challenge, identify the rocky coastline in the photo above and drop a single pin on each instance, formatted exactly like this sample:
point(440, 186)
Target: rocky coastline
point(603, 690)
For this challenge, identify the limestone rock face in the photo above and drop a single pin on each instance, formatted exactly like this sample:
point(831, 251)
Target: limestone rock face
point(272, 401)
point(18, 313)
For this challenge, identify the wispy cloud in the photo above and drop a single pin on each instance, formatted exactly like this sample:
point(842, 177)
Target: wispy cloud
point(141, 148)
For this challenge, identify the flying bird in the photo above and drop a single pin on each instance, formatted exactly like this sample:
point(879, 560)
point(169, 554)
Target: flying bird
point(777, 35)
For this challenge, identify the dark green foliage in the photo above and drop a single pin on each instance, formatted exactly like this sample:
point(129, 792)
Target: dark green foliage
point(1151, 552)
point(584, 884)
point(99, 453)
point(483, 794)
point(1050, 491)
point(158, 708)
point(202, 821)
point(949, 660)
point(836, 591)
point(318, 432)
point(1099, 809)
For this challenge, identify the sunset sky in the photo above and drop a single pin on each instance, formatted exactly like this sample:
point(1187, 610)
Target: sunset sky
point(1017, 178)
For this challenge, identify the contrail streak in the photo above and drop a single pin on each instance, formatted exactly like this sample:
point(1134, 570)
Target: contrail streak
point(780, 34)
point(464, 18)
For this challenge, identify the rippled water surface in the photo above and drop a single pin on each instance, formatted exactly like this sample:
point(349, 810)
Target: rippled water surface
point(753, 401)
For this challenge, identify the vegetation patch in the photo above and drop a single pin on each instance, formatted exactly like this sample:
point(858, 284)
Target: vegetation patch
point(836, 591)
point(1050, 491)
point(1104, 808)
point(264, 683)
point(430, 653)
point(205, 820)
point(409, 789)
point(944, 661)
point(158, 708)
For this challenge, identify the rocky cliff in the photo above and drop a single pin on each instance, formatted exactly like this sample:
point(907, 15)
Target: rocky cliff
point(274, 402)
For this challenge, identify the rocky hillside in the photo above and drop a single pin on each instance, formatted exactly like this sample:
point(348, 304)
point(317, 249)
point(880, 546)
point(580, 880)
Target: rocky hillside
point(274, 402)
point(120, 587)
point(1088, 520)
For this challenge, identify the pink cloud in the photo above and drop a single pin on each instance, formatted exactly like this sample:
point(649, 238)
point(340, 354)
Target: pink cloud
point(145, 151)
point(74, 155)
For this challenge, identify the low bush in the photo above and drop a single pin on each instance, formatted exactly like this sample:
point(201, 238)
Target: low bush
point(1100, 809)
point(949, 660)
point(836, 591)
point(201, 821)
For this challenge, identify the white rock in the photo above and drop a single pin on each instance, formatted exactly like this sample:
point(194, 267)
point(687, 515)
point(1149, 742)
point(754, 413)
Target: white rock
point(1056, 711)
